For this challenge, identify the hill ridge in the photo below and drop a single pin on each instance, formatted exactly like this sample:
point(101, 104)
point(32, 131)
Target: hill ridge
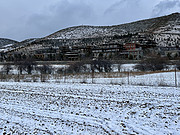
point(88, 31)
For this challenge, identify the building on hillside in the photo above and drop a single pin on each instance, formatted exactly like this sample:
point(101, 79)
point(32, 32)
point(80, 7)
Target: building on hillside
point(168, 51)
point(83, 51)
point(71, 56)
point(132, 51)
point(48, 54)
point(107, 51)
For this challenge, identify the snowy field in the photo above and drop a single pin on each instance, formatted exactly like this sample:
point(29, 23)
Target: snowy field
point(67, 108)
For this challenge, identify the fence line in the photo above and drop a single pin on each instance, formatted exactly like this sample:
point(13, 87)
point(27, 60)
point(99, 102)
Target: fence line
point(160, 78)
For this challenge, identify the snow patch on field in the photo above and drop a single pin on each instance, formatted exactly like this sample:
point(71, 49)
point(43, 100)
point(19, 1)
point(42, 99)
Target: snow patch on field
point(66, 108)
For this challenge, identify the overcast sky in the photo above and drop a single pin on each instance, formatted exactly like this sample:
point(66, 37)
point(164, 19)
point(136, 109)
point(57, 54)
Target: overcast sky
point(22, 19)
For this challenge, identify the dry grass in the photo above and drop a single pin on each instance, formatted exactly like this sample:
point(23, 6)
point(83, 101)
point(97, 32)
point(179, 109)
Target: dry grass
point(115, 74)
point(83, 76)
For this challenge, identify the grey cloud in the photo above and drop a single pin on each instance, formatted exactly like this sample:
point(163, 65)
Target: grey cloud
point(124, 11)
point(14, 14)
point(22, 19)
point(62, 14)
point(122, 4)
point(114, 7)
point(166, 7)
point(42, 19)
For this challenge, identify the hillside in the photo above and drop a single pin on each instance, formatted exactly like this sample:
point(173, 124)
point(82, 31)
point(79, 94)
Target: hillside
point(160, 31)
point(165, 31)
point(4, 42)
point(165, 24)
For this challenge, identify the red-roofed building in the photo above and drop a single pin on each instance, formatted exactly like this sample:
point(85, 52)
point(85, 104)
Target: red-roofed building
point(133, 51)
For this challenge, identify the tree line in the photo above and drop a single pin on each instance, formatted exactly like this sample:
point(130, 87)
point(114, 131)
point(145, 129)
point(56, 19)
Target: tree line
point(28, 66)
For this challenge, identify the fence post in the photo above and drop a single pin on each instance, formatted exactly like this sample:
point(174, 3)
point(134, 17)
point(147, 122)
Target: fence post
point(65, 75)
point(18, 77)
point(175, 77)
point(41, 76)
point(92, 75)
point(128, 76)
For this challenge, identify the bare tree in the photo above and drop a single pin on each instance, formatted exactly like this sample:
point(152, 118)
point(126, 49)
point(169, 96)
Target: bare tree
point(101, 65)
point(88, 66)
point(119, 65)
point(26, 65)
point(77, 67)
point(154, 63)
point(7, 67)
point(45, 69)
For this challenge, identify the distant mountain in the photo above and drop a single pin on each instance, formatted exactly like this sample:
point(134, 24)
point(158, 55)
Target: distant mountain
point(166, 25)
point(28, 40)
point(6, 42)
point(25, 42)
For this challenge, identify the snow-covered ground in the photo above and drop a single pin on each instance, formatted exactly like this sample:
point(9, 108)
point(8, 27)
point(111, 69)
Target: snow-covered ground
point(73, 108)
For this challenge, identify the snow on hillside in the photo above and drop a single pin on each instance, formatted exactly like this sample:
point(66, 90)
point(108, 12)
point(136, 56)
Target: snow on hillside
point(6, 47)
point(168, 35)
point(167, 39)
point(48, 108)
point(4, 42)
point(158, 25)
point(85, 32)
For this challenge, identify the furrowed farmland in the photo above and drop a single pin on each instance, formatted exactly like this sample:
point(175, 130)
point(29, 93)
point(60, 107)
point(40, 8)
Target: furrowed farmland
point(74, 108)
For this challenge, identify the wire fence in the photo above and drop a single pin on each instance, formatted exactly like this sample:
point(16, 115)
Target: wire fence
point(156, 78)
